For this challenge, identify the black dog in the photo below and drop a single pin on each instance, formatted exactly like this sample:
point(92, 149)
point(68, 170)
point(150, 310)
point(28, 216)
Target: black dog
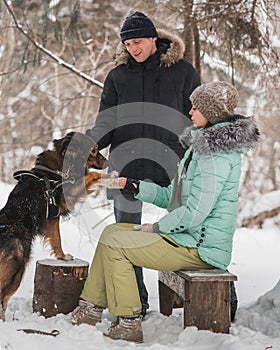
point(59, 179)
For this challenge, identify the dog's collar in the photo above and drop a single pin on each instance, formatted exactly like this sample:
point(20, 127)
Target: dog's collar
point(64, 175)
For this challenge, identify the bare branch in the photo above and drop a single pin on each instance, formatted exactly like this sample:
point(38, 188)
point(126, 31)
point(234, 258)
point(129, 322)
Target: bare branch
point(49, 53)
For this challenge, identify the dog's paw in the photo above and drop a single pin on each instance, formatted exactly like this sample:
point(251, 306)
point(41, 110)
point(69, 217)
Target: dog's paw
point(113, 173)
point(67, 257)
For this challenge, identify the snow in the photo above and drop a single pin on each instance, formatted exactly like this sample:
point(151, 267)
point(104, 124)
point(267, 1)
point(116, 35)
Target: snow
point(255, 260)
point(55, 262)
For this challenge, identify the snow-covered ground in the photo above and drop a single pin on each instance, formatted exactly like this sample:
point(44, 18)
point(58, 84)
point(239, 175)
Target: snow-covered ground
point(256, 261)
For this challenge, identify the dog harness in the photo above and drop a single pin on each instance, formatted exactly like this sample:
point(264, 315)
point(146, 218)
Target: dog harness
point(51, 186)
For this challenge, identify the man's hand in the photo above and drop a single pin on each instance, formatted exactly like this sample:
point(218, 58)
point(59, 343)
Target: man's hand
point(114, 182)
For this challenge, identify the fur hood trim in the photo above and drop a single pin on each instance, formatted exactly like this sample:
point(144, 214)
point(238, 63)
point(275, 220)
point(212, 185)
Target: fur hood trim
point(238, 134)
point(172, 55)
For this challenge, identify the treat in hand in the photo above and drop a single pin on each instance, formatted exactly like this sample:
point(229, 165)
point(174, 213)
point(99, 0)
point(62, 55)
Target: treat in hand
point(114, 182)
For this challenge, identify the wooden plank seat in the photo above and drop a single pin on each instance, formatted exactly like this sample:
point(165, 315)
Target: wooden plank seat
point(204, 295)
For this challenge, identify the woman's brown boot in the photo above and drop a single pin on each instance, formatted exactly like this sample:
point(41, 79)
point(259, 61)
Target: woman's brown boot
point(129, 329)
point(87, 313)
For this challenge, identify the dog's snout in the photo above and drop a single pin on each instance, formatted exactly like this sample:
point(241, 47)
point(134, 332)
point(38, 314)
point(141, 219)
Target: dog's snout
point(97, 161)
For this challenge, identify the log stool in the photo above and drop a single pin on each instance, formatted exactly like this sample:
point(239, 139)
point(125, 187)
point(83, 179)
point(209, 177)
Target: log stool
point(58, 285)
point(204, 295)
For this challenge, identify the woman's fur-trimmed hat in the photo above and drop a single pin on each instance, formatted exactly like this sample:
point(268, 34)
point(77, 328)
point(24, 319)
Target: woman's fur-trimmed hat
point(137, 25)
point(216, 100)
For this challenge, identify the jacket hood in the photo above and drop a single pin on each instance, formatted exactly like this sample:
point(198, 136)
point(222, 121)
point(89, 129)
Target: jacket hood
point(174, 53)
point(237, 134)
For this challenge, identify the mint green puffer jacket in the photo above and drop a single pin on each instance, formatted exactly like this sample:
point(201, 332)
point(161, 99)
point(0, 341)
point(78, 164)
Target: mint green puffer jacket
point(206, 217)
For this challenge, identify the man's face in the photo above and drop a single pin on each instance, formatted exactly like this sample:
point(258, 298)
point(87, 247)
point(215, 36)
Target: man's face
point(141, 48)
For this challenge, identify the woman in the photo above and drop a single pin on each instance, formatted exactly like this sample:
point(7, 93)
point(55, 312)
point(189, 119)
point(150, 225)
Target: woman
point(197, 233)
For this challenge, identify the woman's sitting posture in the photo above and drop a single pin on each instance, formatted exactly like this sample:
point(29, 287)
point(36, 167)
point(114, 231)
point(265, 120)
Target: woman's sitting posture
point(197, 233)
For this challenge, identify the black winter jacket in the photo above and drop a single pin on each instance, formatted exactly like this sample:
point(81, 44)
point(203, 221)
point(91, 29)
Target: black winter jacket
point(144, 107)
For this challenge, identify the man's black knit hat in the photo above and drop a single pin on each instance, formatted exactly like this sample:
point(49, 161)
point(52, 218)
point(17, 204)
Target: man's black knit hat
point(137, 25)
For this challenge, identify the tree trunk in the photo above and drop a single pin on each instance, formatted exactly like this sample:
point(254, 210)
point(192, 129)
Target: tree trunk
point(58, 285)
point(197, 48)
point(188, 31)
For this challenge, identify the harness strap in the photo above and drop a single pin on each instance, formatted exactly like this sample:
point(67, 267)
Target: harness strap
point(20, 173)
point(53, 210)
point(57, 172)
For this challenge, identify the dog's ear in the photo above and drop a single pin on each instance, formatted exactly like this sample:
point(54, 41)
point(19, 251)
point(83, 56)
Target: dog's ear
point(60, 145)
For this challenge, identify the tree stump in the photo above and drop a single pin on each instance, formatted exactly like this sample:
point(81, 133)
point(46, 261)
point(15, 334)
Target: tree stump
point(58, 285)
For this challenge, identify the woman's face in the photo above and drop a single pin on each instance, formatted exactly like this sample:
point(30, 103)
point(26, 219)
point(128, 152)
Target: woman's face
point(198, 119)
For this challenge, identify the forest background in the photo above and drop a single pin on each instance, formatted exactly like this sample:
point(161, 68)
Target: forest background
point(55, 55)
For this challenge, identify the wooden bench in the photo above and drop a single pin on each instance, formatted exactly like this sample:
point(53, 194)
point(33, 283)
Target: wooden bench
point(204, 295)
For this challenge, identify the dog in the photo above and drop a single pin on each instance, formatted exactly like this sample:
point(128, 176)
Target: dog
point(60, 178)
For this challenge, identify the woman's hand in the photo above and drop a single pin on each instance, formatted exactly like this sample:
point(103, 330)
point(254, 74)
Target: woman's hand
point(146, 228)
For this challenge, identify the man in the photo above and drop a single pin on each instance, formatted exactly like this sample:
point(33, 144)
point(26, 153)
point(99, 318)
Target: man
point(144, 106)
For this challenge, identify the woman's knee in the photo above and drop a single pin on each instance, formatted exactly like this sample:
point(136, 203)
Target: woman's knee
point(117, 235)
point(108, 234)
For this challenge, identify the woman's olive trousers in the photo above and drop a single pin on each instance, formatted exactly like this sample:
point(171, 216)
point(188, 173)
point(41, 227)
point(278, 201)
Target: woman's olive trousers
point(111, 282)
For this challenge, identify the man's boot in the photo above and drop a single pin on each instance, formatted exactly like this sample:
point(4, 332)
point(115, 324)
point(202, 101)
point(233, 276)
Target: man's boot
point(233, 301)
point(129, 329)
point(86, 312)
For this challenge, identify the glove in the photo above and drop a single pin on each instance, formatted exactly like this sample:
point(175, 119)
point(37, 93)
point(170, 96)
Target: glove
point(131, 186)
